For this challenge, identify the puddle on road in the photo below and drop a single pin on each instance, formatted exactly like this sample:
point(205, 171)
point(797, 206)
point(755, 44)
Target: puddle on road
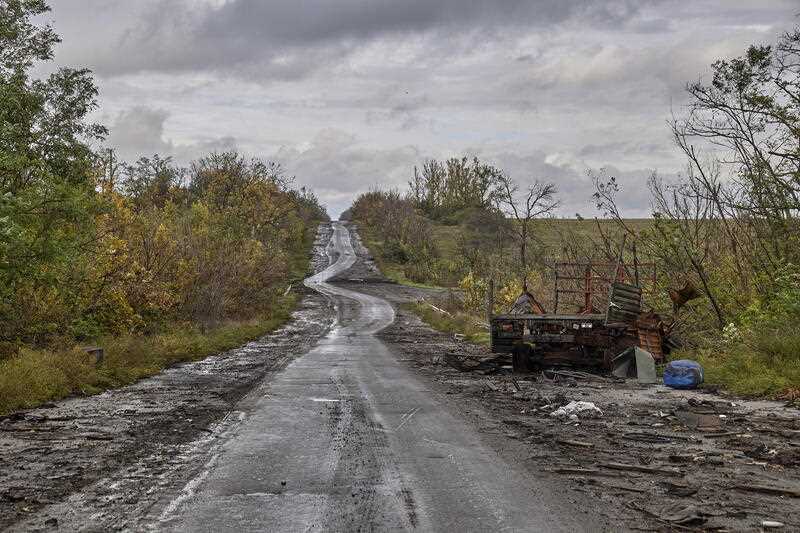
point(324, 400)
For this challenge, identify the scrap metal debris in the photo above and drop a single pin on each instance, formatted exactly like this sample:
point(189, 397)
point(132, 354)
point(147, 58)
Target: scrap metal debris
point(662, 445)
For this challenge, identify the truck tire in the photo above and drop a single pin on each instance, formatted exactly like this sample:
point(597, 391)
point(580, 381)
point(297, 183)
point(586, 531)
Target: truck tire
point(520, 359)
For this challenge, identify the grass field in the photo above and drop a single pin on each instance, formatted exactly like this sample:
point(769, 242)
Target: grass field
point(462, 323)
point(36, 376)
point(446, 238)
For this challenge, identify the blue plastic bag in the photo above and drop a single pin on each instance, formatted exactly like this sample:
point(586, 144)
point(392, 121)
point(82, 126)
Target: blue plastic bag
point(683, 374)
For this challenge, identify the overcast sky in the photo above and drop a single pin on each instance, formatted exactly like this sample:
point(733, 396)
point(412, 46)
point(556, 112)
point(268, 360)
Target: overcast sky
point(351, 94)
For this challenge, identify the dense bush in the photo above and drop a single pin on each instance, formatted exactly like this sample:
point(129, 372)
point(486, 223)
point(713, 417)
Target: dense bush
point(205, 245)
point(442, 189)
point(401, 235)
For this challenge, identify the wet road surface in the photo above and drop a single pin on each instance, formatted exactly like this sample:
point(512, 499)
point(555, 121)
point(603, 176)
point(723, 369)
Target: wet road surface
point(347, 439)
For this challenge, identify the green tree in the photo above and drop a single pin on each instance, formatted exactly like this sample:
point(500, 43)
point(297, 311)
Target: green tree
point(47, 183)
point(749, 114)
point(441, 190)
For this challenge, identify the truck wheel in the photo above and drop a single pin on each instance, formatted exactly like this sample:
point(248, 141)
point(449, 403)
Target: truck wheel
point(520, 359)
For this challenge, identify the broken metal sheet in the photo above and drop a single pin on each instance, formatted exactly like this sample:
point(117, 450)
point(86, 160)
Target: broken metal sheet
point(635, 362)
point(625, 303)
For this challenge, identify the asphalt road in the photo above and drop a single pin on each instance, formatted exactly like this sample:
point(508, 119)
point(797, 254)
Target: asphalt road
point(347, 439)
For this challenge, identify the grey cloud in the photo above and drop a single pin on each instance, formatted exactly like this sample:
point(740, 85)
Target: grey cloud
point(402, 110)
point(286, 40)
point(650, 25)
point(574, 187)
point(625, 148)
point(338, 167)
point(633, 199)
point(140, 131)
point(544, 88)
point(574, 183)
point(322, 20)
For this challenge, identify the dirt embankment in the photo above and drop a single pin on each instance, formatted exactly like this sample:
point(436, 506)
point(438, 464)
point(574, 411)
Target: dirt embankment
point(657, 459)
point(99, 462)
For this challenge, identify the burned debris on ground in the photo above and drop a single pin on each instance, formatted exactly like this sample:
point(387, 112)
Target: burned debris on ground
point(656, 458)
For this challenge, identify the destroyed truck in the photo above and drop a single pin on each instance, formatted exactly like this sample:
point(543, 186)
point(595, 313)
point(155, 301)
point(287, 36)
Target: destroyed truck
point(588, 337)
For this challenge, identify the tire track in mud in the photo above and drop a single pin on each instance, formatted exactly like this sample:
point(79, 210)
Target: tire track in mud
point(366, 469)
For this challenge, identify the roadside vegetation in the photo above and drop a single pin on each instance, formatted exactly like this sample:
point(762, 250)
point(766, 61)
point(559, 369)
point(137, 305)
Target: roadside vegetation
point(457, 322)
point(153, 262)
point(727, 228)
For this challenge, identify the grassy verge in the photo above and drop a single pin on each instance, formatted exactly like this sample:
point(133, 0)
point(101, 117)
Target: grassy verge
point(33, 377)
point(395, 273)
point(299, 261)
point(749, 373)
point(458, 322)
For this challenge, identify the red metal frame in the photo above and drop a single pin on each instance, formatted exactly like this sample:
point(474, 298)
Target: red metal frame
point(595, 284)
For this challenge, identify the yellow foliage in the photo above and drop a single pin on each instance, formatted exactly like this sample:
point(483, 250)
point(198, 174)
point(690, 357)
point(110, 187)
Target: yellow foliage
point(474, 291)
point(511, 289)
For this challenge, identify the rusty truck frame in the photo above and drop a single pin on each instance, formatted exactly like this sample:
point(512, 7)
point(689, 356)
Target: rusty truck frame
point(585, 338)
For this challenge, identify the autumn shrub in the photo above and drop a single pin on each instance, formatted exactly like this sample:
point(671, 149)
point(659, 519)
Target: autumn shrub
point(759, 352)
point(34, 376)
point(399, 236)
point(442, 190)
